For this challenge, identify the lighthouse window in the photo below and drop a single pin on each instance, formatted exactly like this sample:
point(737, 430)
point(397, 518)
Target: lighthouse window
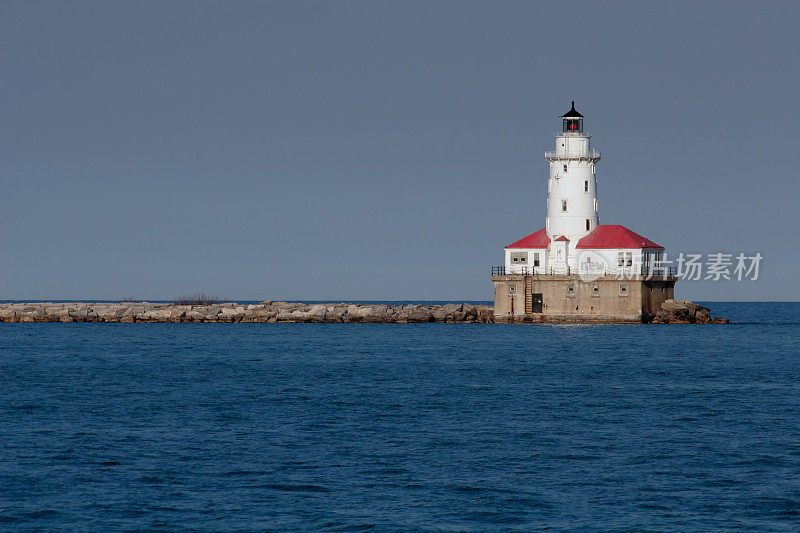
point(595, 290)
point(586, 186)
point(565, 168)
point(536, 259)
point(570, 291)
point(563, 205)
point(624, 258)
point(623, 289)
point(588, 224)
point(519, 257)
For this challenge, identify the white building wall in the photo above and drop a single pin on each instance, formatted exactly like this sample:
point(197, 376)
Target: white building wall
point(604, 259)
point(608, 259)
point(528, 267)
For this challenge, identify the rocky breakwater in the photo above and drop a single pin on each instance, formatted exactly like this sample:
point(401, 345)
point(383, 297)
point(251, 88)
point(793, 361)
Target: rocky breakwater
point(685, 312)
point(265, 312)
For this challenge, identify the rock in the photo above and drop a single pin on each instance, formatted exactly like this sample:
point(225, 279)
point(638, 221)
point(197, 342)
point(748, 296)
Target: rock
point(284, 315)
point(78, 314)
point(452, 308)
point(420, 315)
point(50, 314)
point(157, 315)
point(262, 315)
point(364, 311)
point(439, 314)
point(719, 320)
point(334, 314)
point(193, 316)
point(673, 306)
point(233, 314)
point(486, 314)
point(683, 312)
point(317, 313)
point(211, 314)
point(377, 314)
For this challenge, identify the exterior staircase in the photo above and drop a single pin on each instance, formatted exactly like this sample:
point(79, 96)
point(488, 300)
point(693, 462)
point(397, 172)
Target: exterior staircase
point(528, 295)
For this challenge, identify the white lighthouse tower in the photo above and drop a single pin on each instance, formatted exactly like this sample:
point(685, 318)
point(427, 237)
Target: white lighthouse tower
point(571, 190)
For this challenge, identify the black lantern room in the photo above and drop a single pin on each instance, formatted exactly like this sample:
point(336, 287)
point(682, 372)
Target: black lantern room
point(572, 121)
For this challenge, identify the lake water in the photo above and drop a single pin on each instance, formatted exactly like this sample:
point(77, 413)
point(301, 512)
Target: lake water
point(455, 427)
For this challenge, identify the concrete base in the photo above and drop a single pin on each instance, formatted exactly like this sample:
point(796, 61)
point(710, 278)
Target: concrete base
point(570, 299)
point(568, 319)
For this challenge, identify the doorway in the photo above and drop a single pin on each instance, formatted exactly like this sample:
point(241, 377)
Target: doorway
point(536, 302)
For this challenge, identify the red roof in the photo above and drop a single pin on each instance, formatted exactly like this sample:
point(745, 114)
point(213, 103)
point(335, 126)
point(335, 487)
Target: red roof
point(562, 238)
point(615, 236)
point(534, 240)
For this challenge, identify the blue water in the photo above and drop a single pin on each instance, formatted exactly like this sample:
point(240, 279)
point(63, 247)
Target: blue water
point(459, 427)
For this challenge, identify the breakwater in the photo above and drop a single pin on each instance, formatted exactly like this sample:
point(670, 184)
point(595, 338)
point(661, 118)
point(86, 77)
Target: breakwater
point(264, 312)
point(672, 312)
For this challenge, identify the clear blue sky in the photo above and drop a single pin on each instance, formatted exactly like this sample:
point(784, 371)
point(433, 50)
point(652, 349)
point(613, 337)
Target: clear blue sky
point(381, 150)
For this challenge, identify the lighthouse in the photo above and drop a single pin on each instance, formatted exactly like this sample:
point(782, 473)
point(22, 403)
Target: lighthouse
point(576, 268)
point(572, 186)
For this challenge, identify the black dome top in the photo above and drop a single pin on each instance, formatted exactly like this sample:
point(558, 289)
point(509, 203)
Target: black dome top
point(572, 113)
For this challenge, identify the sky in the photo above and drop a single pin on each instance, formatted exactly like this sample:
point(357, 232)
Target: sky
point(381, 150)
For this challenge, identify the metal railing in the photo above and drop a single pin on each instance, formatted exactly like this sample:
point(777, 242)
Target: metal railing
point(527, 271)
point(591, 155)
point(652, 272)
point(659, 271)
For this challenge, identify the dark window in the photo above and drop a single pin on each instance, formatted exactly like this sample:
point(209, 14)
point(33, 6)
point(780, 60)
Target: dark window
point(563, 205)
point(565, 168)
point(586, 186)
point(588, 223)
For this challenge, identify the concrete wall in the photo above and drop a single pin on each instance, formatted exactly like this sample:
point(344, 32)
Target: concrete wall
point(654, 292)
point(606, 299)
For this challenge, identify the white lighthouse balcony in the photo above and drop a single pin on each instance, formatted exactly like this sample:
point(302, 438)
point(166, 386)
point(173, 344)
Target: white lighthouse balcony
point(590, 155)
